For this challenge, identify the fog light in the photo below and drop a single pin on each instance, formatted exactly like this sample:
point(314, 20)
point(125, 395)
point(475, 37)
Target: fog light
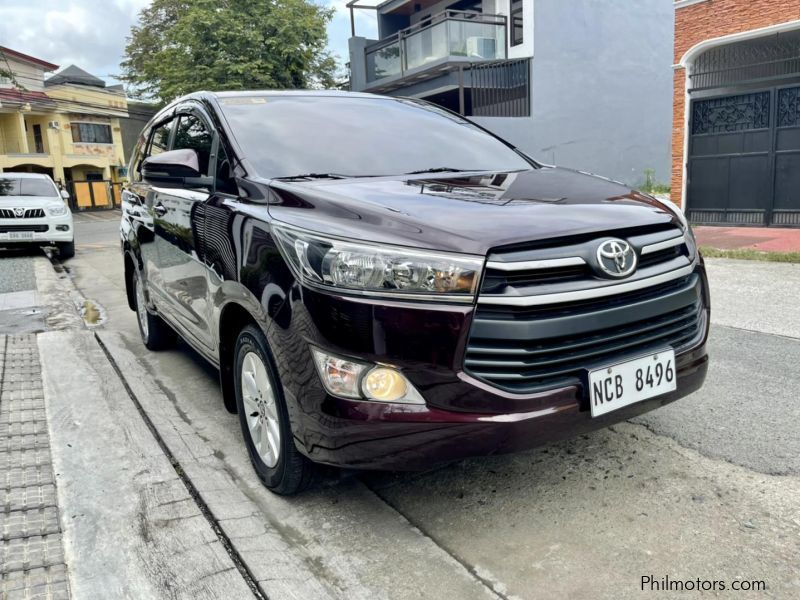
point(384, 384)
point(62, 227)
point(390, 385)
point(341, 377)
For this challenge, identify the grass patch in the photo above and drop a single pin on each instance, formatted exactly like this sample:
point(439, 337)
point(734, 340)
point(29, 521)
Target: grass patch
point(751, 254)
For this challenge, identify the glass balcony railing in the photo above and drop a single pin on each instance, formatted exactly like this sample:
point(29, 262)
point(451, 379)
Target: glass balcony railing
point(449, 35)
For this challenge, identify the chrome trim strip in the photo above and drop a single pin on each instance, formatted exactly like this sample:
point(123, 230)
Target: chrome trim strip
point(663, 245)
point(524, 265)
point(609, 290)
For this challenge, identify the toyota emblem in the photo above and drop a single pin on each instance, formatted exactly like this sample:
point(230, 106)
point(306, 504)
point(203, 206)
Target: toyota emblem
point(616, 258)
point(19, 212)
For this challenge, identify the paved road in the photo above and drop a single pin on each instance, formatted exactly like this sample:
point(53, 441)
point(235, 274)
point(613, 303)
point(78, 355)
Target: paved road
point(705, 488)
point(16, 272)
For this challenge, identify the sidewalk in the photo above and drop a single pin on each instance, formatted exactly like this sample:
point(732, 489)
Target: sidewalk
point(765, 239)
point(32, 557)
point(92, 506)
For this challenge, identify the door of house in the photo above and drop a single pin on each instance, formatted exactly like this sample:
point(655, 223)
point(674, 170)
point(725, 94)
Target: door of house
point(37, 139)
point(744, 158)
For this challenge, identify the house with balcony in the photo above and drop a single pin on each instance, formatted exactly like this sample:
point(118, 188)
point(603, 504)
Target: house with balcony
point(24, 111)
point(583, 84)
point(66, 125)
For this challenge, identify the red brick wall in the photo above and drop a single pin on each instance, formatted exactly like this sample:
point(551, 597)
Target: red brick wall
point(710, 19)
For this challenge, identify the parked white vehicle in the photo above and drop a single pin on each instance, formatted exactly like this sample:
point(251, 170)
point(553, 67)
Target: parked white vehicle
point(34, 212)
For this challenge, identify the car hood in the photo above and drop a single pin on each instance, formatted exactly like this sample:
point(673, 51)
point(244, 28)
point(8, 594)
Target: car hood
point(470, 213)
point(28, 201)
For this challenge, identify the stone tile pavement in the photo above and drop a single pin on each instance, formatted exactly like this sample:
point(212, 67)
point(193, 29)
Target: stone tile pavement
point(31, 554)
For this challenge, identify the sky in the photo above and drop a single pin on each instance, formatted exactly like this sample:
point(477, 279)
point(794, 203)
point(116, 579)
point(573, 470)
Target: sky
point(91, 33)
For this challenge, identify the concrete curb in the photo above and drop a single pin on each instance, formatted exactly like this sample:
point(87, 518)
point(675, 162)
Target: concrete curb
point(131, 528)
point(58, 295)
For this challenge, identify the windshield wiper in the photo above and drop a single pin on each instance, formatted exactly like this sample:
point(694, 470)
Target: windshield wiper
point(439, 170)
point(316, 176)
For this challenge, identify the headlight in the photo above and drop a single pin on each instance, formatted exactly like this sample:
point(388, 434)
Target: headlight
point(676, 210)
point(379, 270)
point(57, 210)
point(691, 243)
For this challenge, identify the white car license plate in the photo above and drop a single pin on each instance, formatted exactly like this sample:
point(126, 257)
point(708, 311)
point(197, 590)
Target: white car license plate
point(611, 388)
point(20, 235)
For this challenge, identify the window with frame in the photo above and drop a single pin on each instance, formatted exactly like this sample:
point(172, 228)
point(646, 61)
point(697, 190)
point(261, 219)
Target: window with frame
point(193, 134)
point(136, 159)
point(516, 22)
point(91, 133)
point(159, 139)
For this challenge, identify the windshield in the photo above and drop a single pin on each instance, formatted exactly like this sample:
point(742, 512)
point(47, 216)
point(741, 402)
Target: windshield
point(27, 187)
point(284, 136)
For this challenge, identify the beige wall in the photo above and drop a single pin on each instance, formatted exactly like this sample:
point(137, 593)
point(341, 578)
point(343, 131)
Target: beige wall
point(12, 138)
point(60, 150)
point(28, 75)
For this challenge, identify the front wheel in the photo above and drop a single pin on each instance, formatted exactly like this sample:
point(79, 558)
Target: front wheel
point(264, 418)
point(66, 250)
point(156, 335)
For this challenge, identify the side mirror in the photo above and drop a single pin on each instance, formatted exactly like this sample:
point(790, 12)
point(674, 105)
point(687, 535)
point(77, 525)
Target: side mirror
point(175, 169)
point(65, 194)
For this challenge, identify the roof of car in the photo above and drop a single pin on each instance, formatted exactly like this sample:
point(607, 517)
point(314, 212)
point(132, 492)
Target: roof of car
point(201, 95)
point(10, 174)
point(321, 93)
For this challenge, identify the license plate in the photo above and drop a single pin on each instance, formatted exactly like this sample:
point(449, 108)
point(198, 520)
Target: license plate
point(623, 384)
point(20, 235)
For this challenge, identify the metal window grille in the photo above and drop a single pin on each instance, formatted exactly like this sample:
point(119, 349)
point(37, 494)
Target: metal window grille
point(501, 89)
point(755, 60)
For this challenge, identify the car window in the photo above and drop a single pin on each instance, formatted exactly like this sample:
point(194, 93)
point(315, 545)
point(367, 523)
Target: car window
point(136, 159)
point(159, 140)
point(27, 187)
point(194, 134)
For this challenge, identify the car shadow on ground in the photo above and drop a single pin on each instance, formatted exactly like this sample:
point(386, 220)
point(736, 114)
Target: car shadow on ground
point(13, 252)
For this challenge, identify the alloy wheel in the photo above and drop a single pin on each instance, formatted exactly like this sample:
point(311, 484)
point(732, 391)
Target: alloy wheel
point(141, 307)
point(261, 411)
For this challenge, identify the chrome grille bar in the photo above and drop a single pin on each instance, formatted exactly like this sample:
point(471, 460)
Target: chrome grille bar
point(583, 294)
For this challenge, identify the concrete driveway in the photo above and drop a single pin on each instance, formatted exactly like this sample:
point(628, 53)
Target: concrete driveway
point(705, 490)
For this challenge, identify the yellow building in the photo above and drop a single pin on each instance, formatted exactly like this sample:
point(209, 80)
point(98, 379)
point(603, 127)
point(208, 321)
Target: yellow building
point(66, 126)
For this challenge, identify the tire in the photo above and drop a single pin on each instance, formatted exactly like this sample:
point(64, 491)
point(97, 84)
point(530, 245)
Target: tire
point(263, 417)
point(156, 334)
point(66, 250)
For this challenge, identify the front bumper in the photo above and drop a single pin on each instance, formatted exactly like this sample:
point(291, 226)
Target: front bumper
point(463, 416)
point(37, 232)
point(364, 435)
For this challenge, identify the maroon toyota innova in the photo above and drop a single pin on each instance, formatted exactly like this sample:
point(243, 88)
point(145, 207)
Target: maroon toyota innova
point(383, 284)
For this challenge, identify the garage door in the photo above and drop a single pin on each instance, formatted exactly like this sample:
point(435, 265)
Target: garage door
point(744, 159)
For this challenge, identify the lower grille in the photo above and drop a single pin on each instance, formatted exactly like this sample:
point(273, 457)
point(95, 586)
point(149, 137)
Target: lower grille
point(533, 352)
point(33, 228)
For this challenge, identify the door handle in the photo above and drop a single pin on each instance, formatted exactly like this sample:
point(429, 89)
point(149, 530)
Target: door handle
point(160, 209)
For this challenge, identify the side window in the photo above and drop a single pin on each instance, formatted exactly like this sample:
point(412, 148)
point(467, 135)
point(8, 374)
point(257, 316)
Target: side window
point(516, 23)
point(136, 159)
point(159, 140)
point(193, 134)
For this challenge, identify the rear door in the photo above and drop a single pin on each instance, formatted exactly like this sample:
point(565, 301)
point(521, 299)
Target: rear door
point(178, 221)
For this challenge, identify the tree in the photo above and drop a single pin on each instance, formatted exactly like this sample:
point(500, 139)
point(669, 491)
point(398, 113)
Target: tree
point(181, 46)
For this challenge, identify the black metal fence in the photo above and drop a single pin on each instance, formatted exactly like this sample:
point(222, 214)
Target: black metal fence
point(501, 88)
point(761, 59)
